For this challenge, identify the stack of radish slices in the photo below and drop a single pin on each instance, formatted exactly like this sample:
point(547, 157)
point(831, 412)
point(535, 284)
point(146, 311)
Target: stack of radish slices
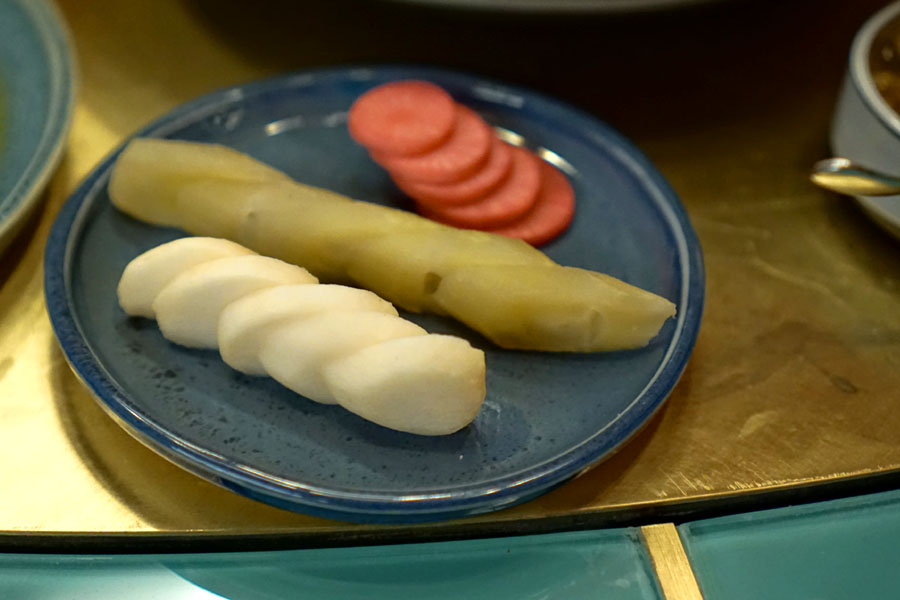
point(445, 157)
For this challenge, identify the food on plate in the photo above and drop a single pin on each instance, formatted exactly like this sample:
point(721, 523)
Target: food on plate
point(551, 213)
point(552, 307)
point(246, 322)
point(506, 203)
point(298, 225)
point(456, 158)
point(404, 117)
point(385, 383)
point(472, 179)
point(469, 189)
point(300, 330)
point(183, 165)
point(295, 354)
point(188, 307)
point(146, 275)
point(430, 266)
point(408, 266)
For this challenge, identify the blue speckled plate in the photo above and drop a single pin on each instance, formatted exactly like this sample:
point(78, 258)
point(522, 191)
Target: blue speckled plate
point(36, 99)
point(546, 417)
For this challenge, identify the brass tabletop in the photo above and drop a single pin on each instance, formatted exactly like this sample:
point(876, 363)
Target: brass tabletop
point(796, 372)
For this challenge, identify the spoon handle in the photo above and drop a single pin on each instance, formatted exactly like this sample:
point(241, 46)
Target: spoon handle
point(846, 177)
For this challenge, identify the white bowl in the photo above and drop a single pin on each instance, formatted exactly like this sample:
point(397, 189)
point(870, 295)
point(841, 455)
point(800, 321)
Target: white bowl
point(866, 129)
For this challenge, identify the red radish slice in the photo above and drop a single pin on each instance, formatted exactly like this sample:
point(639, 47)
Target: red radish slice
point(458, 157)
point(468, 190)
point(505, 204)
point(551, 214)
point(402, 117)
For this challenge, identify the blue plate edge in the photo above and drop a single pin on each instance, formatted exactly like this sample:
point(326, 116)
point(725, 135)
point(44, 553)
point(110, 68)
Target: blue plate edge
point(23, 196)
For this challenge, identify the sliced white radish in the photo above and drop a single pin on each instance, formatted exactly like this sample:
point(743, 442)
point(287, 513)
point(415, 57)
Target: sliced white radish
point(295, 354)
point(188, 308)
point(246, 322)
point(428, 385)
point(146, 275)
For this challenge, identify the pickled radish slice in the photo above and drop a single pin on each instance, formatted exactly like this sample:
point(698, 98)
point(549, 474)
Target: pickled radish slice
point(402, 117)
point(505, 204)
point(468, 190)
point(458, 157)
point(551, 214)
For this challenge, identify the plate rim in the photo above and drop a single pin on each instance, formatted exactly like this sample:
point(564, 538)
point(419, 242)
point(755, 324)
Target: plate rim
point(470, 499)
point(51, 28)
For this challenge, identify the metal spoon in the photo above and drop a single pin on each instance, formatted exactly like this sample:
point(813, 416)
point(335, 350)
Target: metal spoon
point(844, 176)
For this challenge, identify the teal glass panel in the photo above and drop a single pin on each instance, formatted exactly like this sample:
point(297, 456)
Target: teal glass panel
point(833, 550)
point(570, 566)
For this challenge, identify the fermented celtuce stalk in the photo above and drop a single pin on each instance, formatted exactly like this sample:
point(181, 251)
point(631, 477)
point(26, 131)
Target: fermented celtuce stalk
point(502, 287)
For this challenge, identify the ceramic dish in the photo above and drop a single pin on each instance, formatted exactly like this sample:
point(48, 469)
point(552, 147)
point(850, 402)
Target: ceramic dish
point(547, 416)
point(36, 99)
point(865, 128)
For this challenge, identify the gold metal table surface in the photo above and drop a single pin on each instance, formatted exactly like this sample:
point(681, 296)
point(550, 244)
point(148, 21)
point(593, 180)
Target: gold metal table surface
point(796, 372)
